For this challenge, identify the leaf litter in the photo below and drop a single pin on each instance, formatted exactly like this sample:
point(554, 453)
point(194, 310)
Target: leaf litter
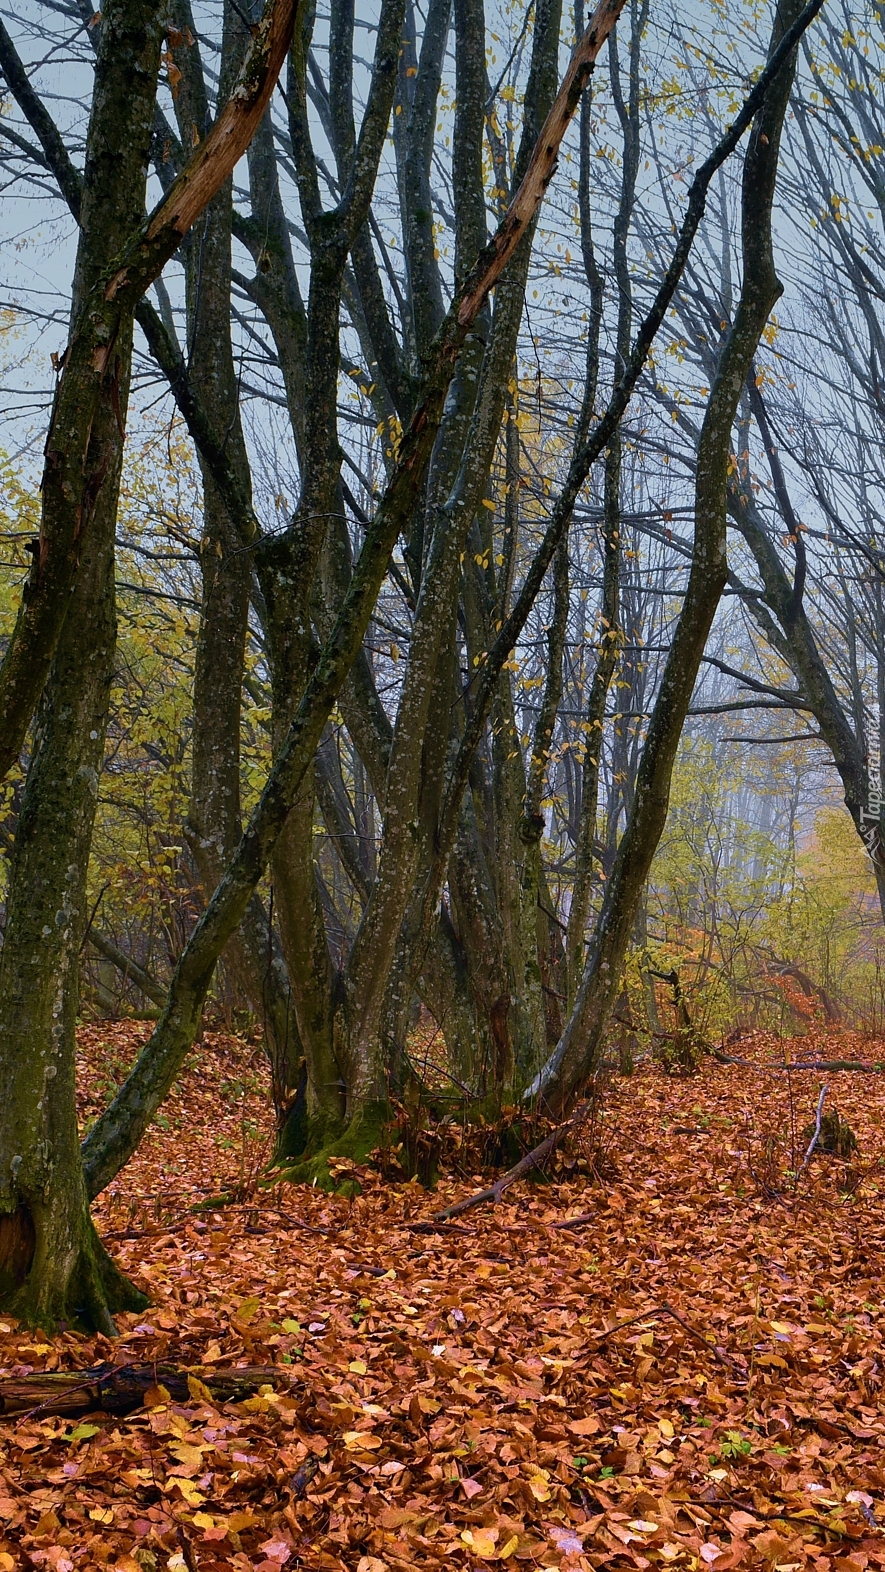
point(688, 1376)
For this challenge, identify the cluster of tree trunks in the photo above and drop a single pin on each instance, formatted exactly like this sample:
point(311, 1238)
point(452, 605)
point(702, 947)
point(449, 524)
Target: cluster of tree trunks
point(452, 896)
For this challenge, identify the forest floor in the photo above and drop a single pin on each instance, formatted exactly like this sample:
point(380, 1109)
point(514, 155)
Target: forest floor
point(689, 1376)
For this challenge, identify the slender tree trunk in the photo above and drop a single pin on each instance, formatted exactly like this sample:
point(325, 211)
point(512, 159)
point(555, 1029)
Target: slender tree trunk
point(535, 923)
point(214, 819)
point(610, 610)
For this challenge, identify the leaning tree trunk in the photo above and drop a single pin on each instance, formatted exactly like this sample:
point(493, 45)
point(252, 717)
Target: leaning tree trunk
point(52, 1264)
point(799, 647)
point(577, 1052)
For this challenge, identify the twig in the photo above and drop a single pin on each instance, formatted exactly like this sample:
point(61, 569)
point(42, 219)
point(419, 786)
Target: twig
point(665, 1308)
point(773, 1517)
point(724, 1359)
point(186, 1548)
point(816, 1137)
point(631, 1320)
point(532, 1160)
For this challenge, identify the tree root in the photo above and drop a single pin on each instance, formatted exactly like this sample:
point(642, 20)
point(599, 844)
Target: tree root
point(85, 1291)
point(331, 1166)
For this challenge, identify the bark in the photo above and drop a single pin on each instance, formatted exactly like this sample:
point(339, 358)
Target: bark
point(490, 981)
point(214, 823)
point(577, 1052)
point(52, 1264)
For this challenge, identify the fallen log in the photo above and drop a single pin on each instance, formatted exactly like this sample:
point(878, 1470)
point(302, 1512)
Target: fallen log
point(859, 1066)
point(118, 1389)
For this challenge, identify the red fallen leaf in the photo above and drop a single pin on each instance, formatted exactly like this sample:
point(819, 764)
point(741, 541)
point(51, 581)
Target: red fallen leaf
point(742, 1520)
point(734, 1556)
point(471, 1488)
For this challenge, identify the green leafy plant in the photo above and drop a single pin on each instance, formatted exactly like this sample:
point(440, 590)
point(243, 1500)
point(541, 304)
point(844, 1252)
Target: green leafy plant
point(735, 1445)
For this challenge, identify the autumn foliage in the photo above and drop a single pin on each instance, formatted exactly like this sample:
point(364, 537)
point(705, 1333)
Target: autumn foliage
point(678, 1366)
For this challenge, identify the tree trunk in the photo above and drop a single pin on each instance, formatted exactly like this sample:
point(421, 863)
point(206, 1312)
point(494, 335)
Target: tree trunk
point(214, 820)
point(52, 1264)
point(798, 645)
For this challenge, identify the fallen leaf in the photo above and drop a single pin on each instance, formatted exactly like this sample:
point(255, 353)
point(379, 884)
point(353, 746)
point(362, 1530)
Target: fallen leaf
point(362, 1440)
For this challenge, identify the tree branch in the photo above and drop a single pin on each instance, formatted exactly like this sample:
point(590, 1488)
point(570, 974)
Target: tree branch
point(91, 372)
